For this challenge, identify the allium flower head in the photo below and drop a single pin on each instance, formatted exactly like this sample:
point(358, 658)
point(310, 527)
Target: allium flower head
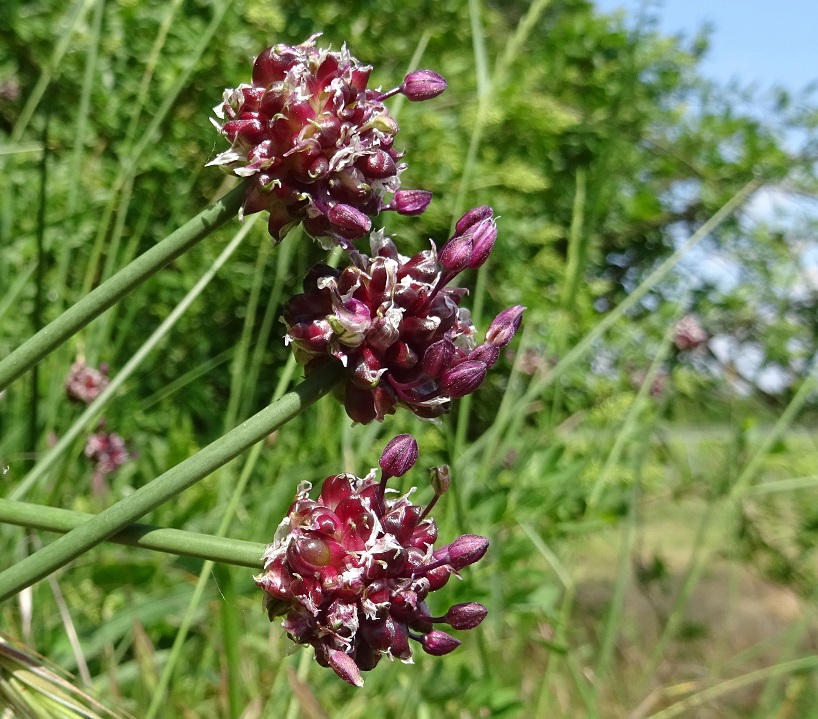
point(315, 144)
point(396, 327)
point(84, 383)
point(689, 335)
point(107, 451)
point(350, 572)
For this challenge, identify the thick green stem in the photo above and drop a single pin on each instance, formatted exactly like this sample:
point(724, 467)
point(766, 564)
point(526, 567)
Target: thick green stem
point(115, 288)
point(145, 536)
point(166, 486)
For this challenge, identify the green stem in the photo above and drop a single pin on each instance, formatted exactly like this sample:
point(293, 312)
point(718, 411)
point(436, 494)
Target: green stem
point(230, 638)
point(115, 288)
point(145, 536)
point(166, 486)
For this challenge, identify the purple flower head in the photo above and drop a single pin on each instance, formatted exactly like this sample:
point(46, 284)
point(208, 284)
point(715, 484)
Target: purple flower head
point(84, 383)
point(350, 573)
point(315, 144)
point(689, 334)
point(107, 451)
point(397, 329)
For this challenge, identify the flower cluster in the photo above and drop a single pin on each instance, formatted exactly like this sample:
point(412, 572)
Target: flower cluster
point(396, 327)
point(107, 451)
point(315, 144)
point(84, 383)
point(350, 571)
point(689, 334)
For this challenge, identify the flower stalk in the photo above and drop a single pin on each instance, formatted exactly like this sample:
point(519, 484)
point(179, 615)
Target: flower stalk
point(143, 536)
point(184, 475)
point(116, 287)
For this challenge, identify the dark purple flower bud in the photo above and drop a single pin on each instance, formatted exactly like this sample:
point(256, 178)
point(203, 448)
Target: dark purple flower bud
point(485, 234)
point(438, 643)
point(272, 65)
point(465, 550)
point(378, 633)
point(358, 404)
point(487, 353)
point(472, 217)
point(366, 658)
point(438, 357)
point(505, 326)
point(466, 616)
point(463, 379)
point(379, 165)
point(352, 222)
point(438, 577)
point(383, 333)
point(411, 202)
point(399, 456)
point(312, 337)
point(422, 85)
point(345, 667)
point(309, 553)
point(456, 253)
point(400, 644)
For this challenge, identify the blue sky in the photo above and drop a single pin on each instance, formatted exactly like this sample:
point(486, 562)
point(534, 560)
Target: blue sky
point(764, 41)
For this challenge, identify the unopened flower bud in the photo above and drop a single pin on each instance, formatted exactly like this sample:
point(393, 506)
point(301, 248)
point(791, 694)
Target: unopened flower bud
point(438, 643)
point(399, 456)
point(464, 378)
point(485, 234)
point(438, 357)
point(345, 667)
point(411, 202)
point(486, 353)
point(505, 325)
point(439, 478)
point(456, 254)
point(352, 223)
point(380, 165)
point(466, 550)
point(422, 85)
point(466, 616)
point(472, 217)
point(335, 490)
